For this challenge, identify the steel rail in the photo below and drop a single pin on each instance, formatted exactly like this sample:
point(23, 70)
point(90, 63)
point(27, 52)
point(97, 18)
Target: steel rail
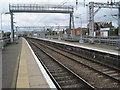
point(51, 76)
point(84, 64)
point(81, 79)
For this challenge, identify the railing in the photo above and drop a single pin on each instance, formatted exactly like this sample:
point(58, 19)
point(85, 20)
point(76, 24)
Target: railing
point(103, 37)
point(111, 40)
point(4, 42)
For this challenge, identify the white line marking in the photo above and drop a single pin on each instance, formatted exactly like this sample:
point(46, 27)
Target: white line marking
point(114, 53)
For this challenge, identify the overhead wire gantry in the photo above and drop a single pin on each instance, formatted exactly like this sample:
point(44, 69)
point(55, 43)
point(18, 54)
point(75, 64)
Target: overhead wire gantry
point(92, 5)
point(37, 8)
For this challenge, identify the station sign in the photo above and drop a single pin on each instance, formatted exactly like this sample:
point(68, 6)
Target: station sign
point(104, 29)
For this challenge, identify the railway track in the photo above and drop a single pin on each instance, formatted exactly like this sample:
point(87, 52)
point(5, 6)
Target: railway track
point(109, 74)
point(109, 71)
point(62, 76)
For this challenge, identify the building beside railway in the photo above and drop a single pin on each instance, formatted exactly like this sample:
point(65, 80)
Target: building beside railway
point(1, 32)
point(79, 31)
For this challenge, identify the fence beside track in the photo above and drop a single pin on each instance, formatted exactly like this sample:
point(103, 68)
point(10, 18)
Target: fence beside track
point(4, 42)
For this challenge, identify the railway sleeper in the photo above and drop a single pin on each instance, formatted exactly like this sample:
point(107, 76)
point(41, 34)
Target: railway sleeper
point(68, 83)
point(109, 72)
point(115, 74)
point(63, 78)
point(59, 71)
point(54, 67)
point(71, 81)
point(117, 78)
point(60, 74)
point(77, 85)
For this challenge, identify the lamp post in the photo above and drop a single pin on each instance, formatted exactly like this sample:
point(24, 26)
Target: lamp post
point(1, 26)
point(81, 35)
point(16, 27)
point(12, 29)
point(59, 32)
point(1, 41)
point(1, 21)
point(1, 29)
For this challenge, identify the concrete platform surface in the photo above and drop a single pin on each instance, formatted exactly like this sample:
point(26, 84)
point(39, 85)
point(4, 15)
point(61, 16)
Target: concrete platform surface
point(0, 69)
point(31, 73)
point(10, 60)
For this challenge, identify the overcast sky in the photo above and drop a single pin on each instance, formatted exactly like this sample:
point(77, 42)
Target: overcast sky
point(47, 19)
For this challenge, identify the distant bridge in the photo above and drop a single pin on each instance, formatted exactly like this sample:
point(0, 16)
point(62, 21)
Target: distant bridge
point(30, 28)
point(40, 8)
point(41, 28)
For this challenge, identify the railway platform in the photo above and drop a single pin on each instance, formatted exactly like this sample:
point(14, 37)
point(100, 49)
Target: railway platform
point(27, 71)
point(96, 47)
point(66, 53)
point(10, 54)
point(22, 69)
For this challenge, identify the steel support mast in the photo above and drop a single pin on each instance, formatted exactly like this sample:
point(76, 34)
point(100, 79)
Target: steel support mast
point(38, 8)
point(12, 28)
point(91, 21)
point(92, 5)
point(119, 28)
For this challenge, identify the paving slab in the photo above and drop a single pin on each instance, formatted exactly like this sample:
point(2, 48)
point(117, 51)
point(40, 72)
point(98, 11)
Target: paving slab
point(10, 59)
point(30, 75)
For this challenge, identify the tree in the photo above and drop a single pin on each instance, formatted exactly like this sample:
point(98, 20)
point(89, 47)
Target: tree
point(7, 34)
point(113, 31)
